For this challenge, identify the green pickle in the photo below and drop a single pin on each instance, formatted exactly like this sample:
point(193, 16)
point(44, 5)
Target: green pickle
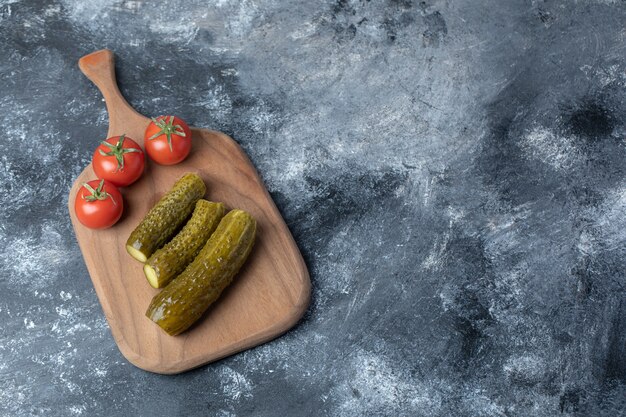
point(188, 296)
point(166, 217)
point(164, 264)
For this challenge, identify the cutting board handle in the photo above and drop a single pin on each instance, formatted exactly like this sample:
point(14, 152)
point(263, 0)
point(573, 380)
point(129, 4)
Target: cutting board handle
point(99, 67)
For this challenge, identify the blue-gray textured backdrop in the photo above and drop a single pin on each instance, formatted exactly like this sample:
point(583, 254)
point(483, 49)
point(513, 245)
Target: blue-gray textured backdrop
point(453, 172)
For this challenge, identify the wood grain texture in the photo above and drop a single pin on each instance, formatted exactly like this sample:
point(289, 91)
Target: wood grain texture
point(268, 296)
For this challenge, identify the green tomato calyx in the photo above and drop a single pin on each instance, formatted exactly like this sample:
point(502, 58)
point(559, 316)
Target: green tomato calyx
point(97, 194)
point(168, 128)
point(118, 151)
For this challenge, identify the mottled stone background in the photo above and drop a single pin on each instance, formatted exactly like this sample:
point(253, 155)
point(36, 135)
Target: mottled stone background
point(453, 172)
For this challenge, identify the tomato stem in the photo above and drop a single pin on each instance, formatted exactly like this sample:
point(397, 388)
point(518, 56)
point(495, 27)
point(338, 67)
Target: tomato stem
point(168, 128)
point(97, 194)
point(118, 151)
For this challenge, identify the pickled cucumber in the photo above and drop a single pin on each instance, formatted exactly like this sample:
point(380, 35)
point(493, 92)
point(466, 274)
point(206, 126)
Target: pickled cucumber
point(188, 296)
point(165, 218)
point(171, 259)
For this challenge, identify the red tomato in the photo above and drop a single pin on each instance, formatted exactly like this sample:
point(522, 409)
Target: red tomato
point(98, 204)
point(167, 140)
point(118, 160)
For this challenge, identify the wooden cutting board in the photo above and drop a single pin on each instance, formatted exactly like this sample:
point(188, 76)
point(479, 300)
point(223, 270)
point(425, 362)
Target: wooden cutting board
point(268, 296)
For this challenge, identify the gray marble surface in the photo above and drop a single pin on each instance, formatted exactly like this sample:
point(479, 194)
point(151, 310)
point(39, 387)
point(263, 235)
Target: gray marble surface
point(452, 171)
